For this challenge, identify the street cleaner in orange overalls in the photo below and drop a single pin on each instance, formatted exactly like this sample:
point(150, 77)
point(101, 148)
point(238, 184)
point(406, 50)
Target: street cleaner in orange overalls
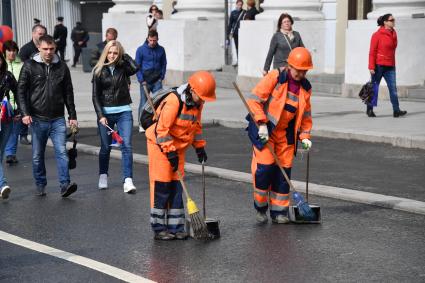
point(178, 127)
point(281, 106)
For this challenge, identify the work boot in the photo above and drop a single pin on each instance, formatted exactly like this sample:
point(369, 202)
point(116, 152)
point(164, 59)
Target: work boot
point(280, 219)
point(181, 235)
point(399, 113)
point(164, 236)
point(261, 217)
point(370, 113)
point(68, 190)
point(24, 140)
point(5, 191)
point(129, 188)
point(103, 181)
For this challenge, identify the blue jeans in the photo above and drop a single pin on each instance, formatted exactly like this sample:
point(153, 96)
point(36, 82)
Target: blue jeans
point(56, 131)
point(152, 88)
point(124, 122)
point(6, 128)
point(389, 75)
point(12, 143)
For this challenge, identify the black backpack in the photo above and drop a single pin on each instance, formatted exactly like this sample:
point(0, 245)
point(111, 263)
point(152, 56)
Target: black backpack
point(146, 116)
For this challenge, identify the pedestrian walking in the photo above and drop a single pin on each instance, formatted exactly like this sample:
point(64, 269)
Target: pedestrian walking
point(283, 41)
point(178, 127)
point(8, 86)
point(382, 50)
point(79, 37)
point(251, 11)
point(60, 34)
point(285, 120)
point(44, 90)
point(152, 17)
point(111, 100)
point(234, 22)
point(111, 34)
point(26, 52)
point(14, 66)
point(152, 60)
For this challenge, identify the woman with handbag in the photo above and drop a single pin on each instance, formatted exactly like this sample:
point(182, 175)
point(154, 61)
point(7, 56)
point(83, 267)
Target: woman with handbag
point(382, 62)
point(283, 41)
point(111, 100)
point(7, 84)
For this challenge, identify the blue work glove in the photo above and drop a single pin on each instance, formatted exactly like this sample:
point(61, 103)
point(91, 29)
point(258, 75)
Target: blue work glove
point(173, 158)
point(202, 155)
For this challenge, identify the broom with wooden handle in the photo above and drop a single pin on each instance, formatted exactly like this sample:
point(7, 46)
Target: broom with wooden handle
point(303, 207)
point(199, 227)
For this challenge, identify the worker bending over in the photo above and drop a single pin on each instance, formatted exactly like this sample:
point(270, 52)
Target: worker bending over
point(281, 106)
point(178, 127)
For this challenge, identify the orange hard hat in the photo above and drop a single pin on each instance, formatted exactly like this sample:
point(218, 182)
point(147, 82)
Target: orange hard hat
point(203, 84)
point(300, 59)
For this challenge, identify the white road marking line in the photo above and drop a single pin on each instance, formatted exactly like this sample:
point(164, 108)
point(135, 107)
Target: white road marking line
point(80, 260)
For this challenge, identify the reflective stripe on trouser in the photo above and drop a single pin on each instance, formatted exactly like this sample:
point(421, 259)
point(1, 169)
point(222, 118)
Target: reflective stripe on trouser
point(167, 209)
point(269, 183)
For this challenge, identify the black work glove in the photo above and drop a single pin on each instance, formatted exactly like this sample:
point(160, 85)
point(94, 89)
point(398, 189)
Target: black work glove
point(202, 155)
point(173, 158)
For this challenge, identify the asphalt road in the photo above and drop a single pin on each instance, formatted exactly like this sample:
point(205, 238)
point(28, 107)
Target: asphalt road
point(355, 242)
point(372, 167)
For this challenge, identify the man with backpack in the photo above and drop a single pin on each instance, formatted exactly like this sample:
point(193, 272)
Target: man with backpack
point(178, 126)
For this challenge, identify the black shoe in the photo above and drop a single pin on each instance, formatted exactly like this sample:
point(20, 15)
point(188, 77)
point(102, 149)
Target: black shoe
point(370, 113)
point(181, 236)
point(68, 190)
point(399, 113)
point(164, 236)
point(14, 159)
point(25, 141)
point(9, 159)
point(73, 66)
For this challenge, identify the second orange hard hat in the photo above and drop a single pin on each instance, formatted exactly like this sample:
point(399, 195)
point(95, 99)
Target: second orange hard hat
point(300, 59)
point(203, 84)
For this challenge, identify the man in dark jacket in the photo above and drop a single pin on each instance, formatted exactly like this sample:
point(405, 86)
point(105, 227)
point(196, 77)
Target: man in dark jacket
point(234, 22)
point(44, 90)
point(79, 36)
point(111, 34)
point(25, 53)
point(60, 34)
point(153, 63)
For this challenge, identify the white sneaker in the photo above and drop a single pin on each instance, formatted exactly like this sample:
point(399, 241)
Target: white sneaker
point(141, 130)
point(103, 181)
point(129, 188)
point(5, 191)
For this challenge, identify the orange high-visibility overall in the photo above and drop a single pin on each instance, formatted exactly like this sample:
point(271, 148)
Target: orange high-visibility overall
point(172, 132)
point(289, 114)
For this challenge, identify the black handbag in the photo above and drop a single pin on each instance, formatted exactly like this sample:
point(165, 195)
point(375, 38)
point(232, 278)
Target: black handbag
point(151, 76)
point(367, 92)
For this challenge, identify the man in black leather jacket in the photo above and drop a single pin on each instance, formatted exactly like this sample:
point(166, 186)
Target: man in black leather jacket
point(44, 90)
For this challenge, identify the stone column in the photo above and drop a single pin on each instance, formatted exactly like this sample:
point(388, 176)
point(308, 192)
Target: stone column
point(130, 6)
point(301, 9)
point(399, 8)
point(195, 9)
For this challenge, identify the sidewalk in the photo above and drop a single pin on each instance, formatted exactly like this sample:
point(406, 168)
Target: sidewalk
point(333, 117)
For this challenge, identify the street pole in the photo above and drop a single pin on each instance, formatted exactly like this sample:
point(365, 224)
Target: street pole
point(226, 23)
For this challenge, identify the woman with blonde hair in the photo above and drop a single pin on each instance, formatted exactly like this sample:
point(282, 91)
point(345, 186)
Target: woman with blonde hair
point(111, 100)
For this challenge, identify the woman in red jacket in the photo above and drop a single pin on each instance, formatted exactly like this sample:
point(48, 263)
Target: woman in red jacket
point(382, 62)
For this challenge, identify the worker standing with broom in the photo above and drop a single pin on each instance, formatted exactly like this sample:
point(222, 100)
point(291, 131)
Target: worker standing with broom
point(281, 106)
point(177, 127)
